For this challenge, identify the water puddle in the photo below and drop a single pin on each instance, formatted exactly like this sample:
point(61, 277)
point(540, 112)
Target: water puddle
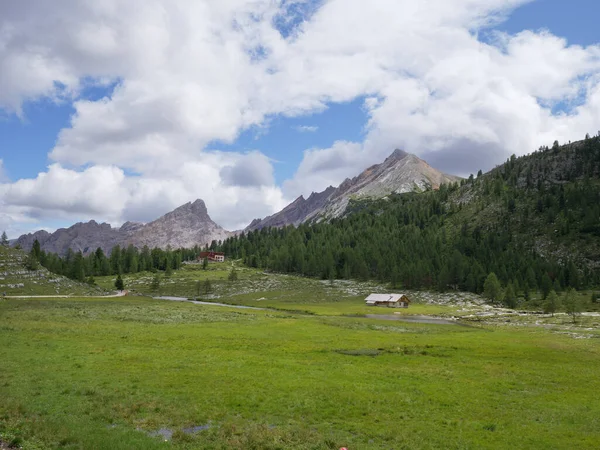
point(166, 434)
point(413, 319)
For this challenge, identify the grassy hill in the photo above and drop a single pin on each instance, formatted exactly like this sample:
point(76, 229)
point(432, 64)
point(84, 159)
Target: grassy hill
point(16, 279)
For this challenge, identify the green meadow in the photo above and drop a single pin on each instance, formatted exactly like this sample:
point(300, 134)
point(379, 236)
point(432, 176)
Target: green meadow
point(138, 373)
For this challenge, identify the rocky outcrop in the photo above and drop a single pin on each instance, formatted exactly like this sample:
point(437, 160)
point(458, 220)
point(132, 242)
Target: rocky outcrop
point(401, 172)
point(186, 226)
point(296, 212)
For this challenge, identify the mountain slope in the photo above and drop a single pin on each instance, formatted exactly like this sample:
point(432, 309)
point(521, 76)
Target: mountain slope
point(533, 221)
point(401, 172)
point(16, 279)
point(186, 226)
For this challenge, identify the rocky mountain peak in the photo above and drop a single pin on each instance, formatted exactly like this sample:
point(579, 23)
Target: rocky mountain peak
point(397, 155)
point(199, 208)
point(400, 172)
point(128, 227)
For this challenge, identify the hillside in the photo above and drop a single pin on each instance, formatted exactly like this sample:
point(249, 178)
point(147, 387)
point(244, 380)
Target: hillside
point(16, 279)
point(401, 172)
point(534, 221)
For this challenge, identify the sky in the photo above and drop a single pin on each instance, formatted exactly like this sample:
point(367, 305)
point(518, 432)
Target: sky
point(123, 110)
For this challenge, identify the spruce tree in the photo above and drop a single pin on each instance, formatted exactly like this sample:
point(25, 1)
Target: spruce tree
point(4, 239)
point(510, 298)
point(492, 290)
point(119, 284)
point(155, 285)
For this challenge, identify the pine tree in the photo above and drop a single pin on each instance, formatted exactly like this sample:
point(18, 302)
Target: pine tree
point(233, 275)
point(119, 284)
point(36, 250)
point(31, 263)
point(510, 298)
point(546, 286)
point(4, 239)
point(205, 264)
point(155, 285)
point(552, 303)
point(492, 290)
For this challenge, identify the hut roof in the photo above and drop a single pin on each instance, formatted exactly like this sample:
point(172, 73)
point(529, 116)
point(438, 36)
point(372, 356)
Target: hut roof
point(386, 298)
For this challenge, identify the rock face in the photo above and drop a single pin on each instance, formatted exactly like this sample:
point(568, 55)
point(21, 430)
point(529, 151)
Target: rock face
point(296, 212)
point(186, 226)
point(401, 172)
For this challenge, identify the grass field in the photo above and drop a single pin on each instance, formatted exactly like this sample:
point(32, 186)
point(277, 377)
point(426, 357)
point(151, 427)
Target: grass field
point(126, 373)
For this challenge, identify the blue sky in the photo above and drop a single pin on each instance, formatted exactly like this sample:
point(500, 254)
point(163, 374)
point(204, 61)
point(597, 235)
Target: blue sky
point(339, 88)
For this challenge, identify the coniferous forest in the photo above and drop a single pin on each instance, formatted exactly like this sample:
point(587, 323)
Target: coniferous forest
point(534, 222)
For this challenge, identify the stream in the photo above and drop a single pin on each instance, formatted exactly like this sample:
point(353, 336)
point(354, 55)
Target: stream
point(413, 319)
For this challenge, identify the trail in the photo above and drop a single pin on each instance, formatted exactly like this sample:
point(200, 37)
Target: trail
point(118, 294)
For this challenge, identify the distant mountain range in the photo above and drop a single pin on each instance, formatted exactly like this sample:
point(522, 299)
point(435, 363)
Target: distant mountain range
point(190, 224)
point(401, 172)
point(186, 226)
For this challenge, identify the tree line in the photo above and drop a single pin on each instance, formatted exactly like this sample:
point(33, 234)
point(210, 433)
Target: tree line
point(129, 260)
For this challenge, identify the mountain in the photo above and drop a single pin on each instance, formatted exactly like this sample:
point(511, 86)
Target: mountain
point(186, 226)
point(401, 172)
point(534, 222)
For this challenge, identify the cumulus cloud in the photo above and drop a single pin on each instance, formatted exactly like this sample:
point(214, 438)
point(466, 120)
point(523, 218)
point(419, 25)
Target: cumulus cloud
point(321, 168)
point(105, 193)
point(190, 73)
point(252, 170)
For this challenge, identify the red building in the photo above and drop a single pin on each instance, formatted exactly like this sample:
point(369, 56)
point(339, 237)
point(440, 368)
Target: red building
point(212, 256)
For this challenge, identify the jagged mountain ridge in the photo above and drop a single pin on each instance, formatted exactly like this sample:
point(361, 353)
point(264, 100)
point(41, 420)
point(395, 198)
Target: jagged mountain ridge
point(186, 226)
point(401, 172)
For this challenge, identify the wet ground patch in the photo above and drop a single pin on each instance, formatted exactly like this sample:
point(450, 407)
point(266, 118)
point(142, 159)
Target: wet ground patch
point(427, 350)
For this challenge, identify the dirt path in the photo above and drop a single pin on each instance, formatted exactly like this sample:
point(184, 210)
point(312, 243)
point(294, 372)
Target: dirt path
point(118, 294)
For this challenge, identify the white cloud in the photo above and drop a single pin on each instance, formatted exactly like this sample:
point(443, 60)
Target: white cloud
point(322, 168)
point(105, 193)
point(193, 72)
point(3, 176)
point(306, 128)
